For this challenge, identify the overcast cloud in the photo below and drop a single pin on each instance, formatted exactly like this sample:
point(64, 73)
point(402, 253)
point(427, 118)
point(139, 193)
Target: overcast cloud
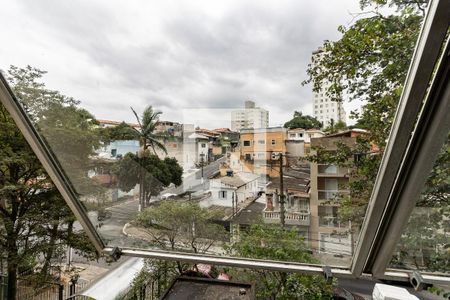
point(174, 55)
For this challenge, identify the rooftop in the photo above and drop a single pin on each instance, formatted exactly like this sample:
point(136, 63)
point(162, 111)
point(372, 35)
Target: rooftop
point(239, 179)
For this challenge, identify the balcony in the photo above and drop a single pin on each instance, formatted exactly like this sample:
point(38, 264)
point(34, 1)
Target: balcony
point(331, 195)
point(331, 170)
point(291, 218)
point(332, 222)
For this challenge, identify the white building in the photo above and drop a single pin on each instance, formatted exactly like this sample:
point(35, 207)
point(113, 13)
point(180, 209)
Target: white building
point(298, 140)
point(325, 110)
point(238, 187)
point(196, 150)
point(117, 149)
point(249, 117)
point(300, 134)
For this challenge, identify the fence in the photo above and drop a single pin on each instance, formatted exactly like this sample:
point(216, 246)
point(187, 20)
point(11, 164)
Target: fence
point(48, 291)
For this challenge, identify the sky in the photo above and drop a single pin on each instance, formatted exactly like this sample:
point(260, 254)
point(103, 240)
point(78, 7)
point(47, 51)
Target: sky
point(193, 60)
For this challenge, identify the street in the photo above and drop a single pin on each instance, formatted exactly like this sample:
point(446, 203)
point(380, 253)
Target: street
point(111, 229)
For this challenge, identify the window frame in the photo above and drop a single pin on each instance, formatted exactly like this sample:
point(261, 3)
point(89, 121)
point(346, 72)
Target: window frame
point(375, 247)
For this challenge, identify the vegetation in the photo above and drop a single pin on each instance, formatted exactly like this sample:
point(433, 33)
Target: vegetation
point(335, 127)
point(276, 243)
point(150, 142)
point(121, 132)
point(181, 225)
point(153, 173)
point(178, 226)
point(260, 242)
point(35, 223)
point(301, 121)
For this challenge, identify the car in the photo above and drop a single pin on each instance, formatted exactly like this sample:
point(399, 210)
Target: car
point(342, 294)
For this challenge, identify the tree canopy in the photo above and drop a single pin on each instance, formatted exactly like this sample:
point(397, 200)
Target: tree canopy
point(35, 223)
point(153, 172)
point(274, 242)
point(182, 225)
point(121, 132)
point(302, 121)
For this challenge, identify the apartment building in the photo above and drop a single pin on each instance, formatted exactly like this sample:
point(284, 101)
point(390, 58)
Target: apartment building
point(259, 150)
point(329, 183)
point(325, 110)
point(249, 117)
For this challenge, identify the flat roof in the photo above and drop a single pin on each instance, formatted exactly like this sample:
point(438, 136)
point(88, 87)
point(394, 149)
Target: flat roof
point(187, 288)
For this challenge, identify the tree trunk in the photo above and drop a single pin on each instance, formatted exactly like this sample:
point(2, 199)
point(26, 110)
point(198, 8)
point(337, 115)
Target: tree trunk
point(12, 276)
point(50, 249)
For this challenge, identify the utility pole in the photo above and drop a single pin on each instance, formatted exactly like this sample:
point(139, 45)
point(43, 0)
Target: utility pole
point(201, 163)
point(282, 212)
point(232, 204)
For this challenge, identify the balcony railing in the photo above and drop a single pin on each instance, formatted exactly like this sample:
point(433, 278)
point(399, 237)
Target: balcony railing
point(331, 170)
point(330, 195)
point(291, 218)
point(330, 221)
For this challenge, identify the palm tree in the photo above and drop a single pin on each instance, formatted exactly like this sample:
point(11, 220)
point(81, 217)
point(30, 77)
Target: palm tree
point(149, 142)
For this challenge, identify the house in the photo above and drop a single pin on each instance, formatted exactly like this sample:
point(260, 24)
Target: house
point(196, 150)
point(236, 187)
point(298, 140)
point(259, 149)
point(297, 208)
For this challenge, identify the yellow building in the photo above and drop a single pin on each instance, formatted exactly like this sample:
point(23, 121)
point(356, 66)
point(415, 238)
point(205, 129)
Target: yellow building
point(260, 149)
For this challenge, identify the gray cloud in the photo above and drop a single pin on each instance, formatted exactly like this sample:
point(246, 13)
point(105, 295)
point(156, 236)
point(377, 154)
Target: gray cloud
point(112, 55)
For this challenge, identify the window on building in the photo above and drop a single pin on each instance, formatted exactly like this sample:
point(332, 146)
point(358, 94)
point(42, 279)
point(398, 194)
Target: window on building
point(203, 145)
point(222, 194)
point(292, 135)
point(246, 143)
point(262, 142)
point(274, 142)
point(113, 152)
point(248, 156)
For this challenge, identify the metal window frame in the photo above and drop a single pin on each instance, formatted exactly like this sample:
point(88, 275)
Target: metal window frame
point(368, 260)
point(412, 147)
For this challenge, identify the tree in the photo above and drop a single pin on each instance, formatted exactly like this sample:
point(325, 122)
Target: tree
point(335, 127)
point(276, 243)
point(301, 121)
point(121, 132)
point(181, 225)
point(177, 226)
point(150, 169)
point(34, 221)
point(360, 65)
point(149, 140)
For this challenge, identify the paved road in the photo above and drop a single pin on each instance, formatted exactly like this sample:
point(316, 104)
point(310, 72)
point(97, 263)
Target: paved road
point(123, 212)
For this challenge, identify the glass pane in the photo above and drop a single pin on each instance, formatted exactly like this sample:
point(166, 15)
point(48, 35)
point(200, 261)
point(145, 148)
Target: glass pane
point(222, 141)
point(425, 242)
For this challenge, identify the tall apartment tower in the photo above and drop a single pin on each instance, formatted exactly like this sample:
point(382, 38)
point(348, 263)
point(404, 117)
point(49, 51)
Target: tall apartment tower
point(249, 117)
point(324, 109)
